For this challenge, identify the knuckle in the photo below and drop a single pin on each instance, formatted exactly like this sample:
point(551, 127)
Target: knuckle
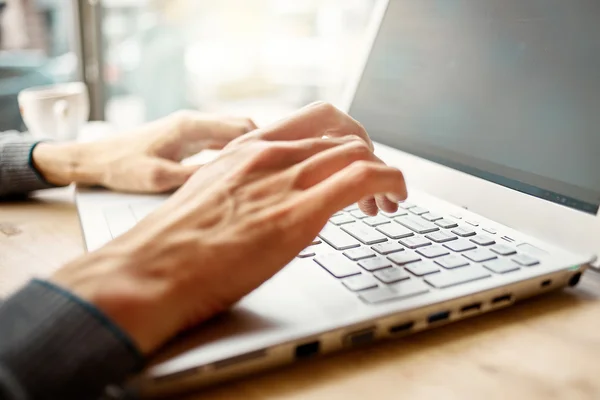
point(181, 116)
point(263, 152)
point(157, 177)
point(362, 170)
point(359, 149)
point(249, 124)
point(325, 109)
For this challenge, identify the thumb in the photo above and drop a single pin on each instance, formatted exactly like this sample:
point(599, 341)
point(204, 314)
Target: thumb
point(168, 175)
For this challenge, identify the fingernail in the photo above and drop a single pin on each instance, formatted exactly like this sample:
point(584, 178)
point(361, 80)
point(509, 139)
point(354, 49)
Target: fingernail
point(394, 198)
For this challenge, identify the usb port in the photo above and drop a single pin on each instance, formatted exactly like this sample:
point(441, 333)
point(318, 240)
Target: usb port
point(438, 317)
point(361, 337)
point(402, 327)
point(502, 299)
point(546, 283)
point(471, 307)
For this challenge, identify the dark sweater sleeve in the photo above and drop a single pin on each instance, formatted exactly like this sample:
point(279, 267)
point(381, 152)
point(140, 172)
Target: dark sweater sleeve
point(54, 345)
point(17, 173)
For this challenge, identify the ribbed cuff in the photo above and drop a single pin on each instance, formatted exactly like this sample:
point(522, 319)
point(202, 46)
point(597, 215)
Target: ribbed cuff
point(57, 346)
point(17, 172)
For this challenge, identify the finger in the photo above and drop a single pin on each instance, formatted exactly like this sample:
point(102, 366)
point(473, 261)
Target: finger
point(361, 179)
point(168, 175)
point(223, 129)
point(315, 120)
point(323, 165)
point(198, 130)
point(283, 154)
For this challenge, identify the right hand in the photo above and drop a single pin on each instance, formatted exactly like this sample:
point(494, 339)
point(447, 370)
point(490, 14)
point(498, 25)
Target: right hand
point(233, 225)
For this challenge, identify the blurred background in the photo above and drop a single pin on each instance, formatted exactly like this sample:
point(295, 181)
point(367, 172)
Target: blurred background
point(147, 58)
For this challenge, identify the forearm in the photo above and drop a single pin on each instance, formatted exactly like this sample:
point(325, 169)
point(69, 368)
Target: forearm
point(54, 345)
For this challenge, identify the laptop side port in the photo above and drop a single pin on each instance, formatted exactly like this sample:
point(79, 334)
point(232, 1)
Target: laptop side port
point(546, 283)
point(307, 350)
point(402, 328)
point(360, 337)
point(438, 317)
point(470, 308)
point(507, 298)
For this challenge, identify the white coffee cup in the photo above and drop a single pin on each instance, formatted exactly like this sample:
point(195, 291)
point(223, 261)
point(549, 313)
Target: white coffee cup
point(55, 111)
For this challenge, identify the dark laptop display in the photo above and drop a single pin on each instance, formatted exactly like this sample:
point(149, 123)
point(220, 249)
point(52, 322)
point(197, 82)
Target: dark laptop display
point(507, 90)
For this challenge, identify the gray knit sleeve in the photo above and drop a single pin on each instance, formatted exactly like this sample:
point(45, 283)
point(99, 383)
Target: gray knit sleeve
point(17, 173)
point(54, 345)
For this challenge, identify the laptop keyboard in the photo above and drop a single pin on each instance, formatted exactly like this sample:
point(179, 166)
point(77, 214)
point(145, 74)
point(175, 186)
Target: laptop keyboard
point(410, 252)
point(392, 255)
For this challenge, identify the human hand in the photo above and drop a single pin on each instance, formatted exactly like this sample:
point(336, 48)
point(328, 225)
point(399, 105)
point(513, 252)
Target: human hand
point(144, 160)
point(232, 226)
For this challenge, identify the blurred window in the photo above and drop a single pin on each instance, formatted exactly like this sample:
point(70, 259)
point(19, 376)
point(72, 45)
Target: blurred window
point(260, 57)
point(36, 48)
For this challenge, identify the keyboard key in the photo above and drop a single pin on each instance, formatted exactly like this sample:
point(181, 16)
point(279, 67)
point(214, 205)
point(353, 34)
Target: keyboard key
point(377, 220)
point(460, 245)
point(472, 222)
point(360, 282)
point(456, 216)
point(446, 224)
point(482, 240)
point(489, 230)
point(480, 255)
point(404, 258)
point(341, 219)
point(316, 241)
point(373, 264)
point(306, 253)
point(406, 205)
point(337, 239)
point(458, 276)
point(452, 261)
point(441, 237)
point(359, 253)
point(401, 290)
point(415, 242)
point(398, 213)
point(337, 265)
point(391, 275)
point(502, 266)
point(388, 248)
point(525, 260)
point(417, 224)
point(503, 250)
point(364, 233)
point(338, 214)
point(395, 231)
point(418, 210)
point(358, 214)
point(431, 217)
point(433, 251)
point(464, 231)
point(422, 268)
point(351, 207)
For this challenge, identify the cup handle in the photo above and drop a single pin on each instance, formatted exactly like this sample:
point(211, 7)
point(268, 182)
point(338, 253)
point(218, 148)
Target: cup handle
point(61, 112)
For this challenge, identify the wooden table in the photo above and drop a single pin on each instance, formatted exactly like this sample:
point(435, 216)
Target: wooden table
point(548, 348)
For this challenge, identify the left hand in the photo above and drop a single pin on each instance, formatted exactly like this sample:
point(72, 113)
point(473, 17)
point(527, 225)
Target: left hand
point(144, 160)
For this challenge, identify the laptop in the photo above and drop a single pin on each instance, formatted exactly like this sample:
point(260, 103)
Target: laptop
point(490, 107)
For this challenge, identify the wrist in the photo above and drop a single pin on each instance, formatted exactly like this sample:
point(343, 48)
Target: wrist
point(111, 280)
point(63, 163)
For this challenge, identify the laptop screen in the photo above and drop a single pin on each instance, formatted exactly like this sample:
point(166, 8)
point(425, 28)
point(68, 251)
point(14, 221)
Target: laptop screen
point(507, 90)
